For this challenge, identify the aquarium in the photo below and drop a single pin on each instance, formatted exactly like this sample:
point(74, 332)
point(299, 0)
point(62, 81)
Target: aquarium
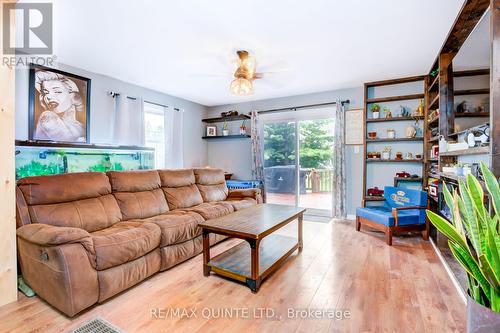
point(38, 161)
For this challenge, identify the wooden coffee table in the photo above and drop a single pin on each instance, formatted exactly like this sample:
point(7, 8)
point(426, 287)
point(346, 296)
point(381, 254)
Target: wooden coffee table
point(267, 251)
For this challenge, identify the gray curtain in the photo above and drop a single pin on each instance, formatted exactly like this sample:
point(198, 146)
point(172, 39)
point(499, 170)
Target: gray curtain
point(339, 210)
point(257, 164)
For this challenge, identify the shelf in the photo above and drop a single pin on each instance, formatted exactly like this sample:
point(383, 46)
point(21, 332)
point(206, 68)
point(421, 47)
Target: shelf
point(434, 175)
point(434, 83)
point(413, 179)
point(456, 178)
point(470, 151)
point(379, 160)
point(374, 198)
point(434, 159)
point(372, 120)
point(465, 130)
point(472, 72)
point(394, 98)
point(222, 119)
point(472, 114)
point(468, 92)
point(433, 120)
point(394, 140)
point(237, 136)
point(434, 101)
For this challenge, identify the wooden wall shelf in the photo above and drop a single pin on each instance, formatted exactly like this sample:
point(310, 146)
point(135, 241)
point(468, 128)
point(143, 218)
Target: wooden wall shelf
point(394, 98)
point(377, 120)
point(472, 114)
point(374, 198)
point(394, 140)
point(226, 137)
point(379, 160)
point(467, 92)
point(470, 151)
point(222, 119)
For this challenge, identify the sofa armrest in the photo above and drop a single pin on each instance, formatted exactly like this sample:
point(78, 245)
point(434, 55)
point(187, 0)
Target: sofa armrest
point(238, 194)
point(396, 209)
point(48, 235)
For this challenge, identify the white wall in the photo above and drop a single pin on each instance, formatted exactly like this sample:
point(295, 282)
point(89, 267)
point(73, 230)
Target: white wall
point(235, 155)
point(195, 149)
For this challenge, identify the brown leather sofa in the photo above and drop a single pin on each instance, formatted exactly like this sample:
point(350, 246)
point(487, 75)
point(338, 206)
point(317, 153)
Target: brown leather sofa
point(85, 237)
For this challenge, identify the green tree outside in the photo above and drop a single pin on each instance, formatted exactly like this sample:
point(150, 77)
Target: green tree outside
point(315, 144)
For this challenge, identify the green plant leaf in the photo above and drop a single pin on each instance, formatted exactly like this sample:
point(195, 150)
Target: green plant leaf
point(470, 216)
point(492, 187)
point(487, 270)
point(494, 251)
point(477, 195)
point(447, 229)
point(470, 265)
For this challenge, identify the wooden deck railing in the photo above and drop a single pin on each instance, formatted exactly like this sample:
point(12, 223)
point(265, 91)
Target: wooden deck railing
point(319, 180)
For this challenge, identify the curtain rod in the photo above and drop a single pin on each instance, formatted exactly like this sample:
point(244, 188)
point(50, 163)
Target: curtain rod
point(294, 108)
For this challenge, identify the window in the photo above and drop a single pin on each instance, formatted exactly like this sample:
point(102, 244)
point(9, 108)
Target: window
point(154, 131)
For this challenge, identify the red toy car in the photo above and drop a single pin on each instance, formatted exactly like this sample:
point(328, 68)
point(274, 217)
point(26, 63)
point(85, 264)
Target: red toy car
point(375, 192)
point(403, 174)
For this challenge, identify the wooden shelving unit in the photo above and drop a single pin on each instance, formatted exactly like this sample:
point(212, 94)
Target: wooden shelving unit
point(470, 151)
point(396, 118)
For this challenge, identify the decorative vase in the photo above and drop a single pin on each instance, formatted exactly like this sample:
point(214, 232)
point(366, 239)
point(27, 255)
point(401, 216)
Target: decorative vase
point(386, 155)
point(480, 319)
point(391, 134)
point(411, 131)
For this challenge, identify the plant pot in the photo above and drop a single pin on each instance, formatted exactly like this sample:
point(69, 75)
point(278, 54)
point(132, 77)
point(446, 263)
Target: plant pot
point(480, 319)
point(225, 132)
point(376, 114)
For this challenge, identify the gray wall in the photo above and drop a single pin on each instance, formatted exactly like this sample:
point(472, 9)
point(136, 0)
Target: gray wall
point(235, 155)
point(195, 149)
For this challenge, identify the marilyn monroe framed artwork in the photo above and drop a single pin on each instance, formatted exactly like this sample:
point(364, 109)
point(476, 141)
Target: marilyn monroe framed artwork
point(59, 106)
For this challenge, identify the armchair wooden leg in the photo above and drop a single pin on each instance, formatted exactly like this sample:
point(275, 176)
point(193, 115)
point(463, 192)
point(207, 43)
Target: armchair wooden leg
point(388, 236)
point(425, 233)
point(358, 224)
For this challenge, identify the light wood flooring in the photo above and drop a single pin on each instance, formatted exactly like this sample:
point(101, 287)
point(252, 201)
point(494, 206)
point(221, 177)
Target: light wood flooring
point(403, 288)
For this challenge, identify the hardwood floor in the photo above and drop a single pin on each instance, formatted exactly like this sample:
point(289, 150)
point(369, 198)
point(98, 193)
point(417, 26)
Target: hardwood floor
point(402, 288)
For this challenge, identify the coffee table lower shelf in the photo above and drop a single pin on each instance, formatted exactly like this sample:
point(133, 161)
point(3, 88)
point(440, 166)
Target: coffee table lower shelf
point(235, 263)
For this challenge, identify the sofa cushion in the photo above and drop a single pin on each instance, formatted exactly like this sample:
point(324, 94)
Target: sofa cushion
point(242, 204)
point(138, 193)
point(212, 184)
point(212, 210)
point(134, 181)
point(88, 214)
point(383, 215)
point(44, 190)
point(179, 188)
point(80, 200)
point(177, 226)
point(123, 242)
point(140, 205)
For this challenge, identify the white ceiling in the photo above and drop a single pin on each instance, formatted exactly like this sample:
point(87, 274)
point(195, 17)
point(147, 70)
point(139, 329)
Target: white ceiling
point(185, 48)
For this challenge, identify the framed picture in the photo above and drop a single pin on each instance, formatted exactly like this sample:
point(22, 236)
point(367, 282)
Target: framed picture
point(354, 130)
point(59, 106)
point(211, 130)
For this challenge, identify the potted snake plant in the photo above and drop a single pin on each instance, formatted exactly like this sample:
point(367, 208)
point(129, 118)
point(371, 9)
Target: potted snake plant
point(473, 237)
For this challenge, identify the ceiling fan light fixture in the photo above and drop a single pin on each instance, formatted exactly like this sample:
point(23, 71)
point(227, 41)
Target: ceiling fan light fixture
point(241, 87)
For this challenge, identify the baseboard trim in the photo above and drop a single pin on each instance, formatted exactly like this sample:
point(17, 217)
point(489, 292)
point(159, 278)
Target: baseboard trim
point(453, 279)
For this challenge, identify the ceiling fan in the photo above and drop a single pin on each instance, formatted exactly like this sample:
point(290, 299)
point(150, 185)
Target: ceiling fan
point(245, 74)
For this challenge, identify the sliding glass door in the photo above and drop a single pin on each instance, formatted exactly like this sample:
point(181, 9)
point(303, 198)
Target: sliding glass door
point(298, 160)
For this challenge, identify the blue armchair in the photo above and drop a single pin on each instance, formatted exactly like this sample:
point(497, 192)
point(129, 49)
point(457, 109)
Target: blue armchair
point(403, 210)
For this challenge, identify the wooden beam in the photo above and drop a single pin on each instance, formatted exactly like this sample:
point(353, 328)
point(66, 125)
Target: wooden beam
point(469, 16)
point(446, 112)
point(8, 266)
point(495, 87)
